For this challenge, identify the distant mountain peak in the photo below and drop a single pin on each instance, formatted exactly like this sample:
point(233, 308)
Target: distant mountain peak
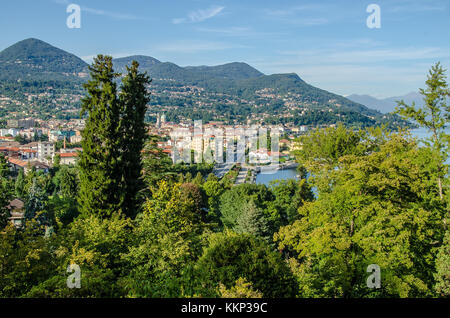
point(386, 105)
point(143, 60)
point(233, 70)
point(34, 56)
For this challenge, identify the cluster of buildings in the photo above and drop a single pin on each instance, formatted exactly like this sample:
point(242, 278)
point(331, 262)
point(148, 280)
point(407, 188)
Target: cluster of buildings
point(40, 149)
point(27, 154)
point(218, 142)
point(212, 142)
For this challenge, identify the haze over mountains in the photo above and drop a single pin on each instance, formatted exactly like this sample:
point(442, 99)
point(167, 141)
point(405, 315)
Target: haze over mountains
point(233, 91)
point(386, 105)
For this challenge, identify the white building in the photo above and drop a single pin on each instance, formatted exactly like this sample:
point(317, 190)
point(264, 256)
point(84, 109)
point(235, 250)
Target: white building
point(46, 150)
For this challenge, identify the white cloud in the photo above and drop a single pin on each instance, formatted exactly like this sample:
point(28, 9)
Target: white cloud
point(416, 7)
point(114, 15)
point(238, 32)
point(199, 15)
point(227, 31)
point(294, 10)
point(301, 15)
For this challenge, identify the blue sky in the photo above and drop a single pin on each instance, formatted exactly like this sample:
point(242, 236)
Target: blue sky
point(327, 43)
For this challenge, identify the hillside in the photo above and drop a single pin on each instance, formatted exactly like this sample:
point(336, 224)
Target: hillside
point(42, 80)
point(33, 59)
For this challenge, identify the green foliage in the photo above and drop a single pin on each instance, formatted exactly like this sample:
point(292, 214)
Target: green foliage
point(443, 268)
point(157, 165)
point(324, 147)
point(133, 98)
point(381, 208)
point(96, 245)
point(19, 186)
point(5, 191)
point(277, 204)
point(66, 181)
point(100, 174)
point(35, 205)
point(114, 136)
point(252, 221)
point(213, 190)
point(242, 289)
point(26, 259)
point(376, 203)
point(64, 209)
point(230, 256)
point(233, 200)
point(434, 116)
point(289, 196)
point(169, 220)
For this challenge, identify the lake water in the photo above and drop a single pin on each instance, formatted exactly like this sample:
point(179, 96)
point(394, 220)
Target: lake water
point(266, 178)
point(424, 133)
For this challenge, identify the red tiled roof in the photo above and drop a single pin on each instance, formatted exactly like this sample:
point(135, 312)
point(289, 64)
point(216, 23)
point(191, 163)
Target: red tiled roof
point(68, 155)
point(18, 162)
point(9, 149)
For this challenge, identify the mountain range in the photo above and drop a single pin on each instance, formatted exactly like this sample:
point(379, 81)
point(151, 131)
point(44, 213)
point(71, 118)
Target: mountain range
point(387, 105)
point(231, 92)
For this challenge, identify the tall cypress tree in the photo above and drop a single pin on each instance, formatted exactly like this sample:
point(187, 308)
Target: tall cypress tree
point(100, 161)
point(5, 191)
point(133, 99)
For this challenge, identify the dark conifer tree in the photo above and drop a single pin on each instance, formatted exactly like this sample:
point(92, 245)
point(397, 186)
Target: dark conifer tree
point(100, 161)
point(133, 99)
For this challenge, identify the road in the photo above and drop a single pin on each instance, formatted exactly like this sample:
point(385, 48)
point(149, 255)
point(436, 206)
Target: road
point(221, 169)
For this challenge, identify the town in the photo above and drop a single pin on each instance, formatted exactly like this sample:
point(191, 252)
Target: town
point(35, 143)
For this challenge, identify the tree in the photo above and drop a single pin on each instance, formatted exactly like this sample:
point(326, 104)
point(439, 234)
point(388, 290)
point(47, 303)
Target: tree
point(66, 181)
point(5, 192)
point(443, 268)
point(35, 205)
point(166, 241)
point(4, 168)
point(434, 116)
point(323, 148)
point(230, 256)
point(100, 160)
point(213, 189)
point(96, 245)
point(289, 196)
point(19, 186)
point(5, 197)
point(252, 221)
point(26, 259)
point(242, 289)
point(157, 165)
point(133, 99)
point(381, 208)
point(233, 201)
point(198, 180)
point(191, 191)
